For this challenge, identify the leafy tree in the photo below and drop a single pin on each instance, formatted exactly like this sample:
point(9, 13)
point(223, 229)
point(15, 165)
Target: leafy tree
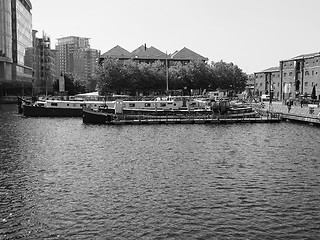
point(118, 76)
point(229, 76)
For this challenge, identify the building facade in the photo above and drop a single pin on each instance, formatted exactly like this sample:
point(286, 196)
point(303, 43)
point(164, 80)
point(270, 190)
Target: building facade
point(66, 48)
point(85, 62)
point(42, 59)
point(15, 38)
point(300, 75)
point(74, 56)
point(268, 82)
point(295, 78)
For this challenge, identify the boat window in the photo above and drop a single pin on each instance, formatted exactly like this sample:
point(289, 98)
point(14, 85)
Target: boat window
point(162, 104)
point(54, 104)
point(81, 105)
point(147, 104)
point(132, 105)
point(67, 104)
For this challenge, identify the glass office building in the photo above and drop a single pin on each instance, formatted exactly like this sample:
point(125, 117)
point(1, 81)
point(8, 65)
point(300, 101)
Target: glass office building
point(15, 38)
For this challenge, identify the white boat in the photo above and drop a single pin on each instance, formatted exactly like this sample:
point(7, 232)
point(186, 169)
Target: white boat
point(58, 108)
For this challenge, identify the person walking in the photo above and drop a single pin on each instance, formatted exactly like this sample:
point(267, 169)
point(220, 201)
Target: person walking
point(289, 104)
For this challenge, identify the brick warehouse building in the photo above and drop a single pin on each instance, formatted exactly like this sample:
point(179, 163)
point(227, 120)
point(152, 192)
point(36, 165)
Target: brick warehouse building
point(268, 81)
point(295, 77)
point(299, 75)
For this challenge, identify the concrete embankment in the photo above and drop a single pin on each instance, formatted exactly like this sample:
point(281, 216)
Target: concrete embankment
point(309, 114)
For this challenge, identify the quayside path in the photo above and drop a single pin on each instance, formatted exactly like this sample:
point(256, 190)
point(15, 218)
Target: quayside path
point(309, 114)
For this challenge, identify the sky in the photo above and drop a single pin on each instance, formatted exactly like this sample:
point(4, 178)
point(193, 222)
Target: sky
point(253, 34)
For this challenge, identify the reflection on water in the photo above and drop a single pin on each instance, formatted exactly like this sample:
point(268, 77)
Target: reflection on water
point(61, 179)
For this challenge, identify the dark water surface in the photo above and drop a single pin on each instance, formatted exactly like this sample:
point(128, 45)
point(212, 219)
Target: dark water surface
point(61, 179)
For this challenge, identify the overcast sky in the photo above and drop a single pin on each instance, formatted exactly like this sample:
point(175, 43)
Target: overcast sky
point(253, 34)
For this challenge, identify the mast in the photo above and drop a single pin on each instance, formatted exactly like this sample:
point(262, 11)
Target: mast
point(167, 72)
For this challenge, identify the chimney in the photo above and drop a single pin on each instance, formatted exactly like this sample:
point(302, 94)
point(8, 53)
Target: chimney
point(145, 47)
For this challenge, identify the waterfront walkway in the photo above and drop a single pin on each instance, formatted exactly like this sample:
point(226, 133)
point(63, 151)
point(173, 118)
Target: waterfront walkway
point(297, 113)
point(280, 107)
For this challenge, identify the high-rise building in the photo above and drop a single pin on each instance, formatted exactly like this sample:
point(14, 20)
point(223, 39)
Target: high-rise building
point(15, 38)
point(85, 61)
point(66, 47)
point(74, 56)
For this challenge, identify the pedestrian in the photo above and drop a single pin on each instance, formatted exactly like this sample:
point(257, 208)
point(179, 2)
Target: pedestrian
point(289, 105)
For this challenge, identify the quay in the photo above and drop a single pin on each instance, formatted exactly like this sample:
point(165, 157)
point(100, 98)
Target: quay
point(306, 114)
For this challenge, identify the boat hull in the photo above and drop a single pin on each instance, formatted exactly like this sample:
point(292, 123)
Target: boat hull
point(35, 111)
point(99, 117)
point(95, 117)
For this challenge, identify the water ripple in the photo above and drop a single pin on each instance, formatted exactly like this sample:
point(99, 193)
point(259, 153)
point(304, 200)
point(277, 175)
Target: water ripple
point(61, 179)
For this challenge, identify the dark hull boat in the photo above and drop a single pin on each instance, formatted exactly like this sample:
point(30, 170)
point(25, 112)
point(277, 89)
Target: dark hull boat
point(107, 117)
point(96, 117)
point(57, 108)
point(39, 111)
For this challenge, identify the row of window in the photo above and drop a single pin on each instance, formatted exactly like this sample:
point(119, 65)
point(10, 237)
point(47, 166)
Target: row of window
point(306, 84)
point(306, 63)
point(307, 73)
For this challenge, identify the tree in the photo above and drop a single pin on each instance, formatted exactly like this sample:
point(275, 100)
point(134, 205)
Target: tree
point(114, 75)
point(229, 76)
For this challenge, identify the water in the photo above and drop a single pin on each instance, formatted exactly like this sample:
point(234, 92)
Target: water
point(61, 179)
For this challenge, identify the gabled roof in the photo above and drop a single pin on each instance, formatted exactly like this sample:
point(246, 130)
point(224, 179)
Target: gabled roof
point(148, 53)
point(152, 53)
point(117, 52)
point(187, 54)
point(137, 52)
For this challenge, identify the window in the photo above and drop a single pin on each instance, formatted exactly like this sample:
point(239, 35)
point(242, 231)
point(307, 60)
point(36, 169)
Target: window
point(312, 72)
point(162, 104)
point(284, 74)
point(132, 105)
point(147, 104)
point(307, 73)
point(290, 74)
point(54, 104)
point(306, 84)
